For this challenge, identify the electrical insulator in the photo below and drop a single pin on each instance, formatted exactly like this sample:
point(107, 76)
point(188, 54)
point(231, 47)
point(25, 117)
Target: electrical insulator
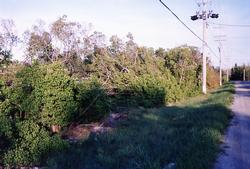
point(215, 15)
point(195, 17)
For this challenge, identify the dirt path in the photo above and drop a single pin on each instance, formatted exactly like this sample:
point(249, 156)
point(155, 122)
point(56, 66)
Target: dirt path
point(237, 139)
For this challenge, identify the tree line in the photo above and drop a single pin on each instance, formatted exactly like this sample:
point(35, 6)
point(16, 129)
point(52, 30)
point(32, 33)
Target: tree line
point(240, 73)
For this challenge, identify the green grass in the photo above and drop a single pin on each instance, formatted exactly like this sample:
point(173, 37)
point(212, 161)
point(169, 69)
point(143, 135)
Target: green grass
point(186, 134)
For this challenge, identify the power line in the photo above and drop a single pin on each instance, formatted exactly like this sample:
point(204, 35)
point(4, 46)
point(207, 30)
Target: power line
point(230, 25)
point(239, 37)
point(211, 50)
point(204, 15)
point(189, 29)
point(182, 22)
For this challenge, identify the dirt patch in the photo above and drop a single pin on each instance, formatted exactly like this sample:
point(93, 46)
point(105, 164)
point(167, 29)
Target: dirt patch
point(76, 132)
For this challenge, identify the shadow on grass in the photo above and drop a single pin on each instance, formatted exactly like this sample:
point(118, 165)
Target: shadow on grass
point(224, 89)
point(188, 136)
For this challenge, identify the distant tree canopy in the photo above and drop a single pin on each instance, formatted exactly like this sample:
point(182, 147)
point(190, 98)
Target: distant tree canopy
point(8, 40)
point(237, 72)
point(5, 57)
point(86, 53)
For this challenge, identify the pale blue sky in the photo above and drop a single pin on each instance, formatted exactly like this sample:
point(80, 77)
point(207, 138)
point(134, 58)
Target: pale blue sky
point(150, 23)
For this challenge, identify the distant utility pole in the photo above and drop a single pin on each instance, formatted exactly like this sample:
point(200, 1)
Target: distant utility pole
point(220, 65)
point(220, 54)
point(227, 75)
point(204, 15)
point(244, 74)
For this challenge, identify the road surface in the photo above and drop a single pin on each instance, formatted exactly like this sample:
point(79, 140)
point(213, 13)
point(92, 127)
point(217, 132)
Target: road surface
point(237, 139)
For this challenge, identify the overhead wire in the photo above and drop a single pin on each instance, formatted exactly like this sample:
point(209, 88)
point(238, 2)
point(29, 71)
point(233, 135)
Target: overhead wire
point(182, 22)
point(239, 37)
point(230, 25)
point(206, 44)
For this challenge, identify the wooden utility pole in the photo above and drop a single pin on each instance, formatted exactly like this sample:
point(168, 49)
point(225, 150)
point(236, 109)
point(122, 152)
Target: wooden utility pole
point(204, 15)
point(204, 59)
point(219, 40)
point(244, 74)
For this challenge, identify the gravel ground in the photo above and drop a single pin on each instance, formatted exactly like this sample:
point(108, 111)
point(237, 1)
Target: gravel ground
point(236, 153)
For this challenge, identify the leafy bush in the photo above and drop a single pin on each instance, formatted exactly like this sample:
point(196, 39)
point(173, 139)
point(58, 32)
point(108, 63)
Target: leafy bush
point(41, 96)
point(45, 93)
point(5, 122)
point(31, 146)
point(6, 132)
point(213, 78)
point(184, 62)
point(146, 90)
point(59, 104)
point(93, 101)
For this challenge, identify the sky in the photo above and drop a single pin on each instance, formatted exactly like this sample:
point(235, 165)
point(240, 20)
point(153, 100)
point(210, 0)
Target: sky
point(150, 23)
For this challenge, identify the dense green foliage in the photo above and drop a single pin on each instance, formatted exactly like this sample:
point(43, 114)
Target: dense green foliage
point(185, 65)
point(72, 76)
point(37, 98)
point(146, 90)
point(187, 135)
point(23, 142)
point(93, 102)
point(32, 145)
point(237, 72)
point(42, 95)
point(5, 57)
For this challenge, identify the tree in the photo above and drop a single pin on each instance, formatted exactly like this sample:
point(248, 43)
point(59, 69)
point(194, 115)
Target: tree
point(131, 47)
point(117, 46)
point(8, 37)
point(160, 53)
point(8, 40)
point(40, 47)
point(68, 37)
point(5, 57)
point(236, 73)
point(75, 43)
point(183, 62)
point(38, 44)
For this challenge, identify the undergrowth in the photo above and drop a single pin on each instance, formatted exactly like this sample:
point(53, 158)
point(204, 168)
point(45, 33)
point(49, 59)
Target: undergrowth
point(187, 135)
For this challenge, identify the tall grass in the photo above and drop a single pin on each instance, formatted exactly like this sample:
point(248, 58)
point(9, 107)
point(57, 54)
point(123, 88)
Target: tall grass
point(187, 135)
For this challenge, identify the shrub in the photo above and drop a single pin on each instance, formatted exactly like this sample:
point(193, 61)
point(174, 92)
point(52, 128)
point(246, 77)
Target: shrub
point(5, 122)
point(44, 93)
point(31, 146)
point(6, 132)
point(184, 62)
point(59, 104)
point(146, 90)
point(51, 96)
point(93, 102)
point(213, 78)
